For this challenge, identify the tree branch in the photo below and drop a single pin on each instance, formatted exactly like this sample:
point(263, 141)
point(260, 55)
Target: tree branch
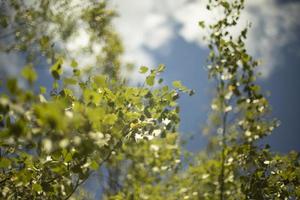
point(78, 182)
point(222, 181)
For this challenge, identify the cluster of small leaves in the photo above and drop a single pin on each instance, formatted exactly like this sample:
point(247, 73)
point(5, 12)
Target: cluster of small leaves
point(233, 167)
point(272, 176)
point(239, 119)
point(237, 96)
point(146, 169)
point(51, 144)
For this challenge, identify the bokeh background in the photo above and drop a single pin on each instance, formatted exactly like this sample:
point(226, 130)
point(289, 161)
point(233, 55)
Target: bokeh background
point(166, 31)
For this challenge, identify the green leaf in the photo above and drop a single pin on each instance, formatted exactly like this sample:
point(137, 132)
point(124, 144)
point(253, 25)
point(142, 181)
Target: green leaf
point(91, 96)
point(68, 157)
point(161, 68)
point(95, 116)
point(225, 4)
point(56, 69)
point(100, 80)
point(177, 84)
point(76, 72)
point(201, 24)
point(4, 162)
point(44, 42)
point(43, 90)
point(143, 69)
point(94, 165)
point(37, 187)
point(55, 85)
point(150, 80)
point(74, 64)
point(160, 80)
point(110, 119)
point(70, 81)
point(29, 73)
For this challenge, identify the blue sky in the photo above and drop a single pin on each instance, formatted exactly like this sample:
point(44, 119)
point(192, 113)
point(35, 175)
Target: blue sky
point(166, 31)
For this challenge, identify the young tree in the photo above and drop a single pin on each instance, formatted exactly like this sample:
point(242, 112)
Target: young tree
point(240, 116)
point(233, 166)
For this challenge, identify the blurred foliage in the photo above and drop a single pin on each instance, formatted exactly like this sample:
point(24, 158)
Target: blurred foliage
point(233, 166)
point(49, 29)
point(49, 146)
point(92, 122)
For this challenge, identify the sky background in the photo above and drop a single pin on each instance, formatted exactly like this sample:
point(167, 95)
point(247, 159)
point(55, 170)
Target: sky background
point(166, 31)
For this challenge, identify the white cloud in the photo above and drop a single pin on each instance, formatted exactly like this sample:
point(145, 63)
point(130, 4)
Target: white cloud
point(161, 35)
point(147, 26)
point(142, 27)
point(150, 24)
point(274, 27)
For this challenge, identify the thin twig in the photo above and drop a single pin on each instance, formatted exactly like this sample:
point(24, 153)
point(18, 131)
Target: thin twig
point(222, 181)
point(78, 182)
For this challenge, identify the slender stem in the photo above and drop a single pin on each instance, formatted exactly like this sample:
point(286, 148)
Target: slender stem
point(78, 182)
point(222, 181)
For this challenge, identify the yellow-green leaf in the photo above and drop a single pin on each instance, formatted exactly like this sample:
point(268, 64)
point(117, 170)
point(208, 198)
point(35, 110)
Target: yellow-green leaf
point(29, 73)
